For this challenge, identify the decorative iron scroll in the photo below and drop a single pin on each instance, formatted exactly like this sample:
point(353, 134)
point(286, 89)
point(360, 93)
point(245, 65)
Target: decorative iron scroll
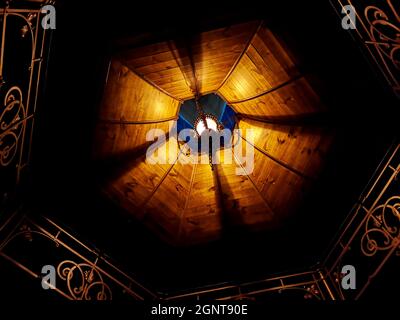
point(378, 26)
point(382, 227)
point(384, 33)
point(82, 273)
point(84, 281)
point(85, 274)
point(371, 235)
point(11, 125)
point(19, 87)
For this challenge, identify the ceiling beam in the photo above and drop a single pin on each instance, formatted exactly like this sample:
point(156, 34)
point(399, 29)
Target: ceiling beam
point(219, 94)
point(183, 50)
point(125, 121)
point(258, 95)
point(230, 211)
point(218, 189)
point(317, 119)
point(280, 162)
point(241, 55)
point(254, 184)
point(143, 205)
point(123, 62)
point(182, 215)
point(116, 165)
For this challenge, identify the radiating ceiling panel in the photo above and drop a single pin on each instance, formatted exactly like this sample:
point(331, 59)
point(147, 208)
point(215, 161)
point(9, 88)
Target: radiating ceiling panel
point(128, 97)
point(296, 98)
point(134, 186)
point(264, 66)
point(201, 220)
point(198, 63)
point(130, 108)
point(303, 148)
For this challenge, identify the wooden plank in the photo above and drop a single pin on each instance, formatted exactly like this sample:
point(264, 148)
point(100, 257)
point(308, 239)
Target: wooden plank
point(277, 49)
point(207, 38)
point(206, 51)
point(296, 98)
point(239, 57)
point(259, 69)
point(126, 96)
point(149, 50)
point(201, 228)
point(230, 31)
point(302, 148)
point(113, 139)
point(146, 69)
point(212, 54)
point(238, 190)
point(136, 185)
point(281, 188)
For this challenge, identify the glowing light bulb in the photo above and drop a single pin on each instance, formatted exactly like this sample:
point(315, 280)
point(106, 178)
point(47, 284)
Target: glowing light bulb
point(211, 124)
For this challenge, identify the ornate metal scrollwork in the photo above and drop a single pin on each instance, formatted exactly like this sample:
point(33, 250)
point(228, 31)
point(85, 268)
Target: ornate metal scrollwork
point(384, 33)
point(11, 125)
point(378, 25)
point(84, 281)
point(382, 227)
point(17, 109)
point(309, 292)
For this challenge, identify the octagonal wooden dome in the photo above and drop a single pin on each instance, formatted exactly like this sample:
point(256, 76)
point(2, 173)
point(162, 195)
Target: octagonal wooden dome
point(248, 67)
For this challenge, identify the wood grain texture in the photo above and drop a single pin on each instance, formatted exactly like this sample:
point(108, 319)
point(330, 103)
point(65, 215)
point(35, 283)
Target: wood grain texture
point(282, 189)
point(113, 139)
point(267, 78)
point(163, 211)
point(246, 207)
point(264, 65)
point(169, 65)
point(201, 220)
point(128, 97)
point(295, 99)
point(136, 186)
point(302, 148)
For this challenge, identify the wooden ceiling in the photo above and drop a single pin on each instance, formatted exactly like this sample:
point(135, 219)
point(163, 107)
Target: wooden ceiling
point(189, 203)
point(199, 63)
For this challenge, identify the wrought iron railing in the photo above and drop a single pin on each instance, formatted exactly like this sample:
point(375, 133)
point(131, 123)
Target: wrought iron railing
point(371, 233)
point(24, 47)
point(82, 272)
point(377, 26)
point(308, 285)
